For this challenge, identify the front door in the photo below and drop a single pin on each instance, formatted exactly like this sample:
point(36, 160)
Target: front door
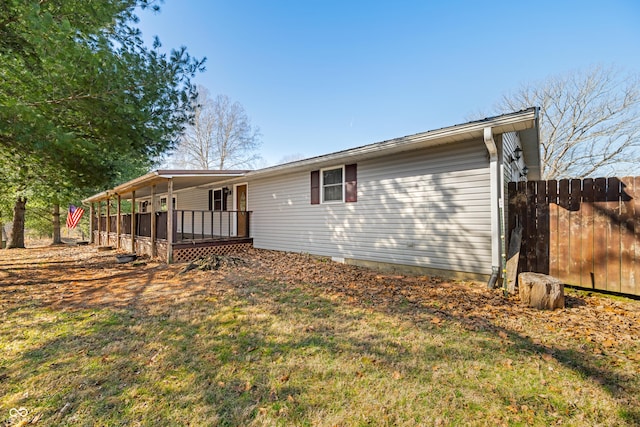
point(241, 207)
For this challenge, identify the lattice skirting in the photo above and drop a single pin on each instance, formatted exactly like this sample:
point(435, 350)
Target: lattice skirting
point(189, 254)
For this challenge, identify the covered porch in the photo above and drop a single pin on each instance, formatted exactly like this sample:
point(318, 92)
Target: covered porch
point(137, 216)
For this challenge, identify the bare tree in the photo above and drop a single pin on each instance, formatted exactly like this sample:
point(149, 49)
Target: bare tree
point(291, 158)
point(220, 137)
point(589, 121)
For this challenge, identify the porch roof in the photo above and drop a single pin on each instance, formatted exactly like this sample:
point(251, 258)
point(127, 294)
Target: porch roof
point(160, 178)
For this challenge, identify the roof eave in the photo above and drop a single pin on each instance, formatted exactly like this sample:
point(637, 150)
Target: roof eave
point(513, 122)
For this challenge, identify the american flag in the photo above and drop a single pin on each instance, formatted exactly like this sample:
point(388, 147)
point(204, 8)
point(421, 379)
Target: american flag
point(74, 215)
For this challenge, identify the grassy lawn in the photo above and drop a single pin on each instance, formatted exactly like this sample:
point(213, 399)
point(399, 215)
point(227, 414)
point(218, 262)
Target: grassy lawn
point(292, 340)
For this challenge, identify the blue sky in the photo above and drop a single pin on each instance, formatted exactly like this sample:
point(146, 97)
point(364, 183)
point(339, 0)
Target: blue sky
point(322, 76)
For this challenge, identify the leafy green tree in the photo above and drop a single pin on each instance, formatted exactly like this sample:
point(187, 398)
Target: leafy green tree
point(84, 103)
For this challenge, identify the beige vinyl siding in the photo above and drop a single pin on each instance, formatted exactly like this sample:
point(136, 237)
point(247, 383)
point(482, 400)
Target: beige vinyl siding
point(512, 168)
point(193, 199)
point(510, 141)
point(197, 199)
point(428, 208)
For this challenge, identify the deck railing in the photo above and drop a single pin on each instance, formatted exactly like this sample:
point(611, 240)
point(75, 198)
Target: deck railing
point(187, 224)
point(202, 225)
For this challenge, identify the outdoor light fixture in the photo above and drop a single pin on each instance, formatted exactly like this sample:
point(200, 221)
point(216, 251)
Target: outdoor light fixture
point(525, 170)
point(516, 153)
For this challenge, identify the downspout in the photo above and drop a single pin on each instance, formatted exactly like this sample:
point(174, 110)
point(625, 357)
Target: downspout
point(495, 206)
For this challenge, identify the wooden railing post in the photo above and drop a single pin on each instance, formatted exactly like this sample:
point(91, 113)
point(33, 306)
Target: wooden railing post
point(133, 221)
point(154, 251)
point(91, 224)
point(99, 223)
point(118, 221)
point(108, 224)
point(170, 221)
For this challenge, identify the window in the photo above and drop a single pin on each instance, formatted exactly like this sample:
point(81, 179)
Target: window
point(218, 200)
point(163, 203)
point(332, 185)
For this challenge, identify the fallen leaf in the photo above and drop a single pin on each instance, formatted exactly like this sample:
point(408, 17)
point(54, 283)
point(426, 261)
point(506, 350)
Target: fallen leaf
point(396, 375)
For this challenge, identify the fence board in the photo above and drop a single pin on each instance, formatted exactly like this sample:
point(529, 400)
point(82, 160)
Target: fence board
point(524, 216)
point(600, 234)
point(627, 229)
point(613, 234)
point(575, 246)
point(552, 198)
point(532, 225)
point(563, 230)
point(542, 228)
point(586, 234)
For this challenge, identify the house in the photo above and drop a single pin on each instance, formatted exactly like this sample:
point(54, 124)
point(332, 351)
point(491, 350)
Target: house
point(430, 202)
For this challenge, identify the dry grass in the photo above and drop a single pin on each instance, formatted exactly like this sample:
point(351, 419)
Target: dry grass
point(292, 340)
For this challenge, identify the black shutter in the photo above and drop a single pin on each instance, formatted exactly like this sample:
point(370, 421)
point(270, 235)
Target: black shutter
point(210, 200)
point(315, 187)
point(351, 183)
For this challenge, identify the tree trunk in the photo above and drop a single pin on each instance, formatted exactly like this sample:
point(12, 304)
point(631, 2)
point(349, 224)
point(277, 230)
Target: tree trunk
point(56, 225)
point(17, 231)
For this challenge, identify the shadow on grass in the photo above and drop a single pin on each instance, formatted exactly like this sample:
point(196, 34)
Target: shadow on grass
point(260, 351)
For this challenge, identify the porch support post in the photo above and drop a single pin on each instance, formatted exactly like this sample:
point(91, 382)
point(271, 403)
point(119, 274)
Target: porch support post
point(108, 220)
point(118, 221)
point(154, 251)
point(170, 224)
point(133, 221)
point(99, 223)
point(91, 213)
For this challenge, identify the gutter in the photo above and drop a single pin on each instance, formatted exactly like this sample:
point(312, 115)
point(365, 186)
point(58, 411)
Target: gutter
point(494, 185)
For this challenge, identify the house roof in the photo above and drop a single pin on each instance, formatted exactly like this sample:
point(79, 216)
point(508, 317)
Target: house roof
point(524, 121)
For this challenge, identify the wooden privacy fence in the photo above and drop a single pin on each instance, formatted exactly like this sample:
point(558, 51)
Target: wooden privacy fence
point(584, 232)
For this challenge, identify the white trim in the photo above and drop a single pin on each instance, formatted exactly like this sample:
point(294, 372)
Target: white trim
point(322, 200)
